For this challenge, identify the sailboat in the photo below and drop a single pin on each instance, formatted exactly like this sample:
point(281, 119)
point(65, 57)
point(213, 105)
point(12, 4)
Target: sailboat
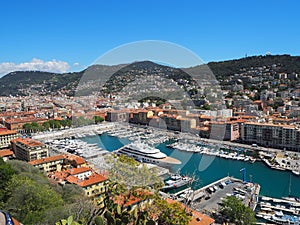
point(291, 198)
point(296, 172)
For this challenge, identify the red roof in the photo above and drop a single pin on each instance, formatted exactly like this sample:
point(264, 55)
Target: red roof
point(79, 160)
point(47, 159)
point(6, 132)
point(79, 170)
point(91, 180)
point(28, 142)
point(6, 152)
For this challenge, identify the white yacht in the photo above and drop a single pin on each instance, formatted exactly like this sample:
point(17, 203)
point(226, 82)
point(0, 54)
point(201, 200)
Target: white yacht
point(145, 153)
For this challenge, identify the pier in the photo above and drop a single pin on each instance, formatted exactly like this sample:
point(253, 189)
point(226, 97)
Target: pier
point(209, 197)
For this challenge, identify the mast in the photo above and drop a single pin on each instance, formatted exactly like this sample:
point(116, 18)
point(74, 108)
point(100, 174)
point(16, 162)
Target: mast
point(290, 184)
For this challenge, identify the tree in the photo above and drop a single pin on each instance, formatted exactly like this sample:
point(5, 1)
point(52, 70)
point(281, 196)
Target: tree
point(29, 201)
point(236, 212)
point(30, 197)
point(169, 213)
point(46, 125)
point(64, 123)
point(98, 119)
point(6, 173)
point(126, 171)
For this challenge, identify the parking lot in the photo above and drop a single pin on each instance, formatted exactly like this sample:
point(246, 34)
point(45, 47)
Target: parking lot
point(216, 192)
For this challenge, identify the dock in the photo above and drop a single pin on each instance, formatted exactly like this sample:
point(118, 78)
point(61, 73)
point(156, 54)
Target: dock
point(208, 199)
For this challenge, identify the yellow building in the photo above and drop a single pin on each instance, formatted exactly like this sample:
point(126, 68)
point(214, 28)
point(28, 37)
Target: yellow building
point(49, 164)
point(93, 186)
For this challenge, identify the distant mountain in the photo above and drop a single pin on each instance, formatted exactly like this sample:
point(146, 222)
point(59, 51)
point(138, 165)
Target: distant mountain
point(130, 72)
point(20, 82)
point(114, 77)
point(287, 63)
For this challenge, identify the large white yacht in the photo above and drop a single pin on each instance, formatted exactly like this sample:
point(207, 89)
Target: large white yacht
point(145, 153)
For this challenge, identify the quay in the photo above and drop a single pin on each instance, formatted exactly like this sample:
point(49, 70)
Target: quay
point(208, 199)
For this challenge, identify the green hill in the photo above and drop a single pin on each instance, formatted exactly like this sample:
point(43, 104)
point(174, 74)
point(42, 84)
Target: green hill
point(26, 82)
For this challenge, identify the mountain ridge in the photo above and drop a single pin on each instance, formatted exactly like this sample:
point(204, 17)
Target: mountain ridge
point(16, 83)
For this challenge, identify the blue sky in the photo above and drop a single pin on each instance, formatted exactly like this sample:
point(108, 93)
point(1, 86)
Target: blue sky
point(77, 32)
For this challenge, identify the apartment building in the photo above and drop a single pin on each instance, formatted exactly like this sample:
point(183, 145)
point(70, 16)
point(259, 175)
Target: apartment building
point(28, 149)
point(271, 135)
point(227, 130)
point(6, 136)
point(18, 123)
point(49, 164)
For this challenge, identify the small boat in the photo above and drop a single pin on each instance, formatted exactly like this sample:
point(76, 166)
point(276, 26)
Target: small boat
point(177, 181)
point(297, 173)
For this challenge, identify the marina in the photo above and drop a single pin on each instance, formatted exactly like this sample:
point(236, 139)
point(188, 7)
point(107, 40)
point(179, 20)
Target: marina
point(209, 168)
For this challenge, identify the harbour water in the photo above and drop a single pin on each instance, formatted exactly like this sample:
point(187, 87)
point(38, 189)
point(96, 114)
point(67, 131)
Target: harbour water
point(207, 169)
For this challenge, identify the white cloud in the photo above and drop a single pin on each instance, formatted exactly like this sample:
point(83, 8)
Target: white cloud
point(35, 64)
point(76, 64)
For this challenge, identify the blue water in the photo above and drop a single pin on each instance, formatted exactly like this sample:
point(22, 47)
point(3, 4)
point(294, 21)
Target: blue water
point(208, 169)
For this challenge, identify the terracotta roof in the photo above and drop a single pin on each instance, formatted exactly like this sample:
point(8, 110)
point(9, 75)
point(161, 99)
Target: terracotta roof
point(24, 120)
point(79, 170)
point(58, 175)
point(6, 132)
point(91, 180)
point(132, 199)
point(28, 142)
point(47, 159)
point(79, 160)
point(6, 152)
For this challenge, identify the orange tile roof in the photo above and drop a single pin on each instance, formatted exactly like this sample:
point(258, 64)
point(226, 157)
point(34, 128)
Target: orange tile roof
point(6, 152)
point(7, 132)
point(24, 120)
point(132, 199)
point(47, 159)
point(91, 180)
point(79, 160)
point(28, 142)
point(58, 175)
point(79, 170)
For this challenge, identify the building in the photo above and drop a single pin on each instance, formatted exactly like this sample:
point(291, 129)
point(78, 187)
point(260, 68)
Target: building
point(58, 162)
point(6, 136)
point(28, 149)
point(93, 186)
point(227, 131)
point(49, 164)
point(117, 116)
point(6, 154)
point(18, 123)
point(271, 135)
point(178, 123)
point(80, 172)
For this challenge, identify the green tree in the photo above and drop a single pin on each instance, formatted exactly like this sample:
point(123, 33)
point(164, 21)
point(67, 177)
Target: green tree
point(6, 173)
point(169, 213)
point(236, 212)
point(46, 125)
point(206, 106)
point(98, 119)
point(64, 123)
point(29, 201)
